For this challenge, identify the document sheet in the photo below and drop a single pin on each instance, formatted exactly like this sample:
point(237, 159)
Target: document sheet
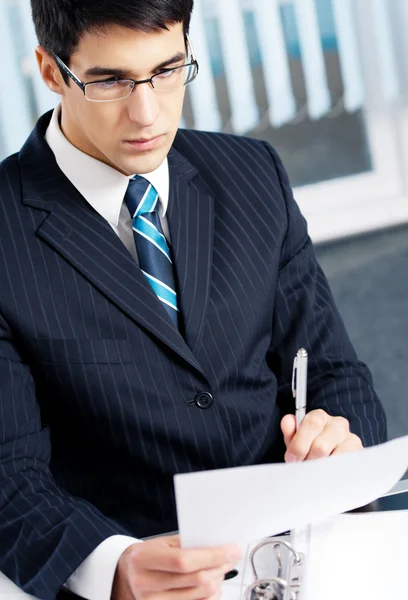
point(357, 556)
point(248, 503)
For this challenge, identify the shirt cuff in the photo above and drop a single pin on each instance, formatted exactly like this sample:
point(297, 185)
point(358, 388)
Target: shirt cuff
point(93, 579)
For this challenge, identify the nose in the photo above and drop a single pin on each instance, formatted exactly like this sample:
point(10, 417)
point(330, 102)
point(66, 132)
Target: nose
point(143, 105)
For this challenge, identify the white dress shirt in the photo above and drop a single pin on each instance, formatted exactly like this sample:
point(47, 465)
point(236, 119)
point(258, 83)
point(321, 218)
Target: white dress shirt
point(104, 188)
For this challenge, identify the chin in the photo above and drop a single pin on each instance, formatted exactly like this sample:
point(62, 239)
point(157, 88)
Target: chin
point(142, 165)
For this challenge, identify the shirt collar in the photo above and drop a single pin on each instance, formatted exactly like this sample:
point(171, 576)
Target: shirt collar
point(102, 186)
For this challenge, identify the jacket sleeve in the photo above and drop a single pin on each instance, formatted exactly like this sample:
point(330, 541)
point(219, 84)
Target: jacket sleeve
point(305, 315)
point(45, 533)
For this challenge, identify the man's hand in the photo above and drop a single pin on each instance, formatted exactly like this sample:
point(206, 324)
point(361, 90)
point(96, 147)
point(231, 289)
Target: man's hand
point(319, 435)
point(160, 570)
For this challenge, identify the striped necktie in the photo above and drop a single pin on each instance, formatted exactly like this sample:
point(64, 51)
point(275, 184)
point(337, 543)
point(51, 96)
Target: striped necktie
point(153, 252)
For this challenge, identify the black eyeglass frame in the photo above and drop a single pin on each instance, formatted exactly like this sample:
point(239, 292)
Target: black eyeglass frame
point(83, 85)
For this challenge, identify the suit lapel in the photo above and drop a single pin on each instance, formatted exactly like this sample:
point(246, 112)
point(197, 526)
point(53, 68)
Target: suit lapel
point(191, 224)
point(88, 242)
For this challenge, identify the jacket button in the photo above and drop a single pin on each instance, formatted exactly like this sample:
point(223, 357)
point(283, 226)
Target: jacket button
point(203, 400)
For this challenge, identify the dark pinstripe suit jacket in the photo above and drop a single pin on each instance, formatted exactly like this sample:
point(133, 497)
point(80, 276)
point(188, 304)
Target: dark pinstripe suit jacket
point(97, 388)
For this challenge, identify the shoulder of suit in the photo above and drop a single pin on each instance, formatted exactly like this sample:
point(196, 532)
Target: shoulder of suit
point(212, 136)
point(10, 181)
point(9, 171)
point(8, 164)
point(214, 146)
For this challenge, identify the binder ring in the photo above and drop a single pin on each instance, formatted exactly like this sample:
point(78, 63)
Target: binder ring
point(273, 588)
point(263, 590)
point(297, 557)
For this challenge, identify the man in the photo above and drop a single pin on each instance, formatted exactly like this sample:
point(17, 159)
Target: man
point(130, 355)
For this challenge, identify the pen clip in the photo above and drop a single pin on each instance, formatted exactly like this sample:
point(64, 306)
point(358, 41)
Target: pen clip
point(295, 362)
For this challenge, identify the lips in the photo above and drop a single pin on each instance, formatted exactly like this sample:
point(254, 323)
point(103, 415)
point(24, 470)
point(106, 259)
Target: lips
point(144, 140)
point(145, 143)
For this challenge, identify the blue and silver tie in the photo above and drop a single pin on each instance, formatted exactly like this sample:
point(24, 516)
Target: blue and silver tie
point(153, 252)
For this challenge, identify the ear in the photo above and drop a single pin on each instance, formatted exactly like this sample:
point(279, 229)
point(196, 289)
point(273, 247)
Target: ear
point(49, 71)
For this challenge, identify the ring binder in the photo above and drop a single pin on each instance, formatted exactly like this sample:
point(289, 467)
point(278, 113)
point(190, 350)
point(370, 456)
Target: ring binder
point(285, 585)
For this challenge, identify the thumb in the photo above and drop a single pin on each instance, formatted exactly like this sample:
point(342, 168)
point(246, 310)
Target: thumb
point(288, 426)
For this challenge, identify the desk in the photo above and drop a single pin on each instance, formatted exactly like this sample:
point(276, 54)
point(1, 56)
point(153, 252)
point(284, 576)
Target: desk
point(396, 499)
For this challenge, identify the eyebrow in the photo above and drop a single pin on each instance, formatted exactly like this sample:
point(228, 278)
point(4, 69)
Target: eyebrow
point(126, 73)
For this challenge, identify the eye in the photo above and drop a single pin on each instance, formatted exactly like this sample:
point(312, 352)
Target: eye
point(165, 74)
point(109, 83)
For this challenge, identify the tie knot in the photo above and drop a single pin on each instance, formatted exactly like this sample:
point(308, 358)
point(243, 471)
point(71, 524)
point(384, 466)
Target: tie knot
point(141, 197)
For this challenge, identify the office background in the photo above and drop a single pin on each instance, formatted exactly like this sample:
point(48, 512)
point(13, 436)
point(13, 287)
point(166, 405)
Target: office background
point(326, 82)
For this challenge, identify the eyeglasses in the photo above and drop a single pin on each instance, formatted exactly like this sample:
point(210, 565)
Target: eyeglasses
point(166, 80)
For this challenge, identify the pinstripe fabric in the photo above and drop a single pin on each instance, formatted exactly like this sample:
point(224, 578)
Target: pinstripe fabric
point(91, 366)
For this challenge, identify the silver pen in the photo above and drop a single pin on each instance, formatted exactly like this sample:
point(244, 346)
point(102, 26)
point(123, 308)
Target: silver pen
point(299, 385)
point(298, 536)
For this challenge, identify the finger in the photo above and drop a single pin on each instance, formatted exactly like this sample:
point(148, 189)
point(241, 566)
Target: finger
point(288, 427)
point(203, 592)
point(158, 581)
point(312, 426)
point(333, 435)
point(161, 557)
point(351, 444)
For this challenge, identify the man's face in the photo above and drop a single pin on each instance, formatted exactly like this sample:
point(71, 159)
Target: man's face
point(132, 135)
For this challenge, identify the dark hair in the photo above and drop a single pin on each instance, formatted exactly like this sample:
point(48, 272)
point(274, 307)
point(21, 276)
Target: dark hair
point(60, 24)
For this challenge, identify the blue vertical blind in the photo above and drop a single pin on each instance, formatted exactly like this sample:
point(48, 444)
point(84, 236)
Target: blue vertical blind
point(244, 110)
point(23, 95)
point(275, 61)
point(349, 54)
point(14, 106)
point(204, 99)
point(221, 35)
point(318, 93)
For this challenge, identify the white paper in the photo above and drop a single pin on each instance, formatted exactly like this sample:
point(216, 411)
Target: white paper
point(248, 503)
point(353, 557)
point(9, 591)
point(358, 556)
